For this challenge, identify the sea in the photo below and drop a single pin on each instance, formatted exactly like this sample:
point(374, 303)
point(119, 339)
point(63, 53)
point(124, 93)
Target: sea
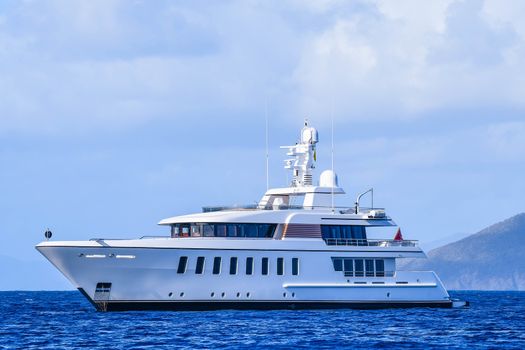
point(65, 320)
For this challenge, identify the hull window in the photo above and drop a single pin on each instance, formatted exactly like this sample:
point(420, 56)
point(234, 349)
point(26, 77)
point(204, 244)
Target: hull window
point(183, 261)
point(199, 269)
point(380, 268)
point(265, 266)
point(295, 266)
point(217, 265)
point(249, 266)
point(348, 265)
point(360, 267)
point(369, 267)
point(233, 266)
point(338, 264)
point(280, 266)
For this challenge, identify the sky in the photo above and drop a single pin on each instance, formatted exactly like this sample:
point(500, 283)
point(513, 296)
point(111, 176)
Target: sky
point(117, 114)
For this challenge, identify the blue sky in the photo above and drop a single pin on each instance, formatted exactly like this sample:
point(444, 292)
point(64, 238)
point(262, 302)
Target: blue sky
point(116, 114)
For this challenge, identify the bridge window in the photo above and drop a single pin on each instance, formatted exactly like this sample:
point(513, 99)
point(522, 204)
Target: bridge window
point(223, 230)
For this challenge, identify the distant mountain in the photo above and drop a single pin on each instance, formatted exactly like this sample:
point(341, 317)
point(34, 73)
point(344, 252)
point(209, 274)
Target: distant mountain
point(428, 246)
point(492, 259)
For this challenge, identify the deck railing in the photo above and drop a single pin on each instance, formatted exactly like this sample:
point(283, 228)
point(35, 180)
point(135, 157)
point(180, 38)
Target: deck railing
point(371, 242)
point(340, 210)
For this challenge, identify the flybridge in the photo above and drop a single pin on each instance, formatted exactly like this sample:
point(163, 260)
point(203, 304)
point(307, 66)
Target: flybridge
point(302, 193)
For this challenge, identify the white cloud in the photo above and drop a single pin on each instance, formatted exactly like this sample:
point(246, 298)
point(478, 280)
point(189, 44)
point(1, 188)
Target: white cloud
point(99, 64)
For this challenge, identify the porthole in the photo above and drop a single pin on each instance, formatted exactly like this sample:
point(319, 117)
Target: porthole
point(293, 295)
point(222, 294)
point(248, 294)
point(170, 294)
point(238, 295)
point(181, 294)
point(284, 295)
point(212, 294)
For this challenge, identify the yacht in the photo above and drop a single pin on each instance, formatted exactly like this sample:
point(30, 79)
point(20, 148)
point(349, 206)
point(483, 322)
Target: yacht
point(294, 249)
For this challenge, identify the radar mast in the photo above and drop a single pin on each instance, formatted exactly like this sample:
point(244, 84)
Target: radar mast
point(304, 156)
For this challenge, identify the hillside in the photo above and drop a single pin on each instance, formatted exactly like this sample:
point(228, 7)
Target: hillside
point(492, 259)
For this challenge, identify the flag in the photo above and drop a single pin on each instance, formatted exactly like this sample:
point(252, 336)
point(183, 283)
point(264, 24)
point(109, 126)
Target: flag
point(398, 236)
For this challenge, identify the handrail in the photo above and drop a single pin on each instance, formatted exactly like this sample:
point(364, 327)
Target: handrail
point(371, 242)
point(125, 239)
point(342, 210)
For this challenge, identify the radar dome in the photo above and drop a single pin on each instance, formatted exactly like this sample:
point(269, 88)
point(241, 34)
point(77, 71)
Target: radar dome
point(328, 178)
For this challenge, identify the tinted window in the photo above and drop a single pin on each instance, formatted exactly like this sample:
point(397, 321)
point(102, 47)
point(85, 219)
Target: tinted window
point(264, 269)
point(380, 268)
point(348, 265)
point(338, 264)
point(265, 230)
point(199, 269)
point(250, 230)
point(358, 232)
point(325, 231)
point(233, 266)
point(216, 265)
point(280, 266)
point(231, 230)
point(359, 268)
point(249, 266)
point(346, 232)
point(220, 230)
point(208, 230)
point(295, 266)
point(182, 264)
point(335, 231)
point(369, 267)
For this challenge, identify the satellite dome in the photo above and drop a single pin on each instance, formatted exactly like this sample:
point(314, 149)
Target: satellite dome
point(328, 178)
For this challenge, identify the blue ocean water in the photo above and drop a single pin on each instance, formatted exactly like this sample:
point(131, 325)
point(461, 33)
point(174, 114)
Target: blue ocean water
point(65, 320)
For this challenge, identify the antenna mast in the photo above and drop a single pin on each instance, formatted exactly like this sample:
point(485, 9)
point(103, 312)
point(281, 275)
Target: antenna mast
point(333, 174)
point(267, 155)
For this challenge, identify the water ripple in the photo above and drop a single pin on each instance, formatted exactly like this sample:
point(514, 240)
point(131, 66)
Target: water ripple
point(65, 320)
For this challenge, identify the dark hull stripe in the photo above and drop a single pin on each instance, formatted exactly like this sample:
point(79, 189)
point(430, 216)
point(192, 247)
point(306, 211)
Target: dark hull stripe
point(260, 305)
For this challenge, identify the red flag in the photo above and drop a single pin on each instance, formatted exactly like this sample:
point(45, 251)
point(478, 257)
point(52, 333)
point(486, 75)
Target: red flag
point(398, 236)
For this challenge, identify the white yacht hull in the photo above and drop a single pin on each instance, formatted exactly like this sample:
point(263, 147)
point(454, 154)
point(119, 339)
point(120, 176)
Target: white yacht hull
point(145, 277)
